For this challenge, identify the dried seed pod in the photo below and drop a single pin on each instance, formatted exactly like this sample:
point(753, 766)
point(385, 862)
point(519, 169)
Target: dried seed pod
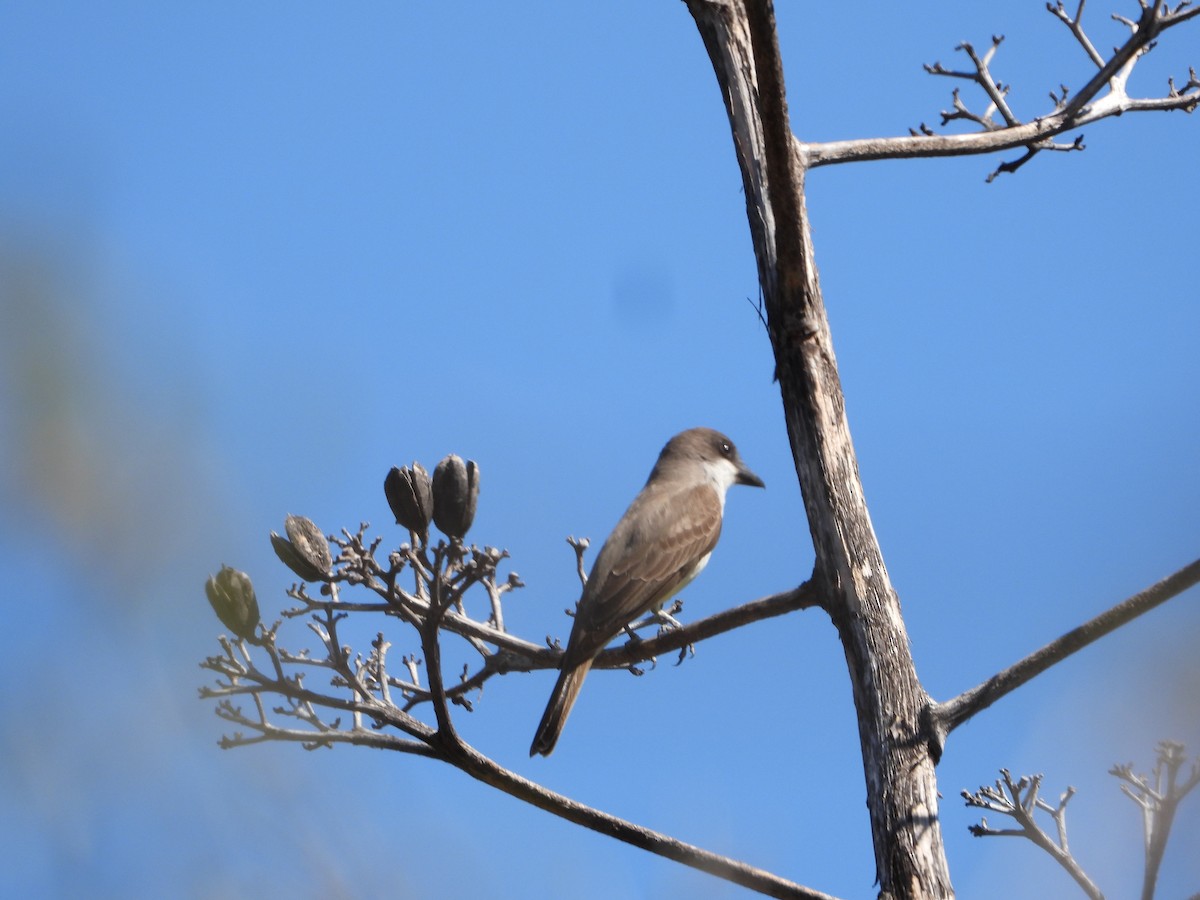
point(305, 550)
point(455, 495)
point(410, 496)
point(232, 598)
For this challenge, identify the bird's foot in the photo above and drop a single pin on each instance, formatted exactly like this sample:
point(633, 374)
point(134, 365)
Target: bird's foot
point(666, 621)
point(664, 618)
point(685, 652)
point(634, 637)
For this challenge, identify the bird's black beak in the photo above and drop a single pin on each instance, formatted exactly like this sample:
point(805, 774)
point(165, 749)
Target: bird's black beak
point(745, 476)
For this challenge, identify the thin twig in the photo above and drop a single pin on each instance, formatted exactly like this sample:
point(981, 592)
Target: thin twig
point(1076, 26)
point(579, 545)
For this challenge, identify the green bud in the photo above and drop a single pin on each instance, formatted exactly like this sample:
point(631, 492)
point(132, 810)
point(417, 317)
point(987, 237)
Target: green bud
point(232, 597)
point(455, 495)
point(410, 496)
point(305, 550)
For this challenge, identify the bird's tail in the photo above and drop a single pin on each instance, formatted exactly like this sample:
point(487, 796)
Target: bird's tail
point(566, 689)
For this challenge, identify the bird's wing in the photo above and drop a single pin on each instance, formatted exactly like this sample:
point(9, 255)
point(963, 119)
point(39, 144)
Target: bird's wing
point(648, 557)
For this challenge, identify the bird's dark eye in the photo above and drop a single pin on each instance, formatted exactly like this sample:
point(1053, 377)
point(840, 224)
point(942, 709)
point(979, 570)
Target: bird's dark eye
point(726, 448)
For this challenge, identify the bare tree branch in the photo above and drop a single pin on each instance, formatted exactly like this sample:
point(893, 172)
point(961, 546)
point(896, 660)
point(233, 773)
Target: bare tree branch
point(1156, 18)
point(1019, 801)
point(1158, 797)
point(950, 714)
point(446, 746)
point(1076, 27)
point(981, 76)
point(1069, 113)
point(451, 749)
point(480, 767)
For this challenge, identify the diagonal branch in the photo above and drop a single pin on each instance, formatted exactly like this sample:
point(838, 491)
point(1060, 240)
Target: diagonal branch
point(949, 715)
point(445, 745)
point(1152, 22)
point(468, 759)
point(1076, 26)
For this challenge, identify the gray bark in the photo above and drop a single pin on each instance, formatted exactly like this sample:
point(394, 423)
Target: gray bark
point(898, 757)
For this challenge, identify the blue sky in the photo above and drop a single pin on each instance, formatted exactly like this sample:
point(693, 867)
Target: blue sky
point(255, 257)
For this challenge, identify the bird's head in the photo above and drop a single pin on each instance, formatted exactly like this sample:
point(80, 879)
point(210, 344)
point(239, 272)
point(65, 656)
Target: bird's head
point(704, 450)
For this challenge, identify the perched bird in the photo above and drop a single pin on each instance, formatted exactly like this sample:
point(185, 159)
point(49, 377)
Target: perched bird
point(661, 543)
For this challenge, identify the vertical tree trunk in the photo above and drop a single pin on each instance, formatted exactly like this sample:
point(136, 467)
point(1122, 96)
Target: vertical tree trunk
point(897, 757)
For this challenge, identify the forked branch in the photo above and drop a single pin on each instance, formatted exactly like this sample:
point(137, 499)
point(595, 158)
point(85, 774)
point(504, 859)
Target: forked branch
point(1020, 801)
point(1105, 94)
point(1158, 796)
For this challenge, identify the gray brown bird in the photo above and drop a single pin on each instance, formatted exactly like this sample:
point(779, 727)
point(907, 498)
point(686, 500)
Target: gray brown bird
point(661, 543)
